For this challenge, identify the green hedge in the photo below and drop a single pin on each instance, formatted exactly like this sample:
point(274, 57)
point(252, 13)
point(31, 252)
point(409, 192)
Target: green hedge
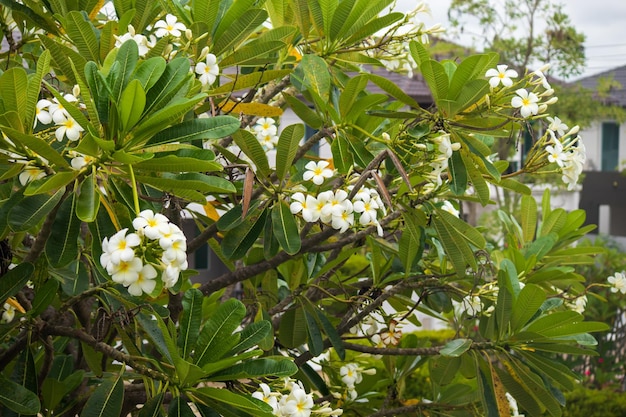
point(595, 403)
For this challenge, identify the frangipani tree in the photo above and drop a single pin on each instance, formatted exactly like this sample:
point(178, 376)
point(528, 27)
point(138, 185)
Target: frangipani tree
point(116, 117)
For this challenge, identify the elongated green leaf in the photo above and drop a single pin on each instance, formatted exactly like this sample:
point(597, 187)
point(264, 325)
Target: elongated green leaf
point(315, 341)
point(456, 347)
point(17, 398)
point(252, 335)
point(556, 371)
point(217, 337)
point(536, 387)
point(190, 321)
point(178, 407)
point(256, 79)
point(83, 35)
point(516, 387)
point(250, 146)
point(241, 28)
point(44, 296)
point(34, 87)
point(88, 200)
point(443, 369)
point(436, 79)
point(530, 298)
point(152, 407)
point(62, 55)
point(37, 145)
point(149, 71)
point(393, 90)
point(239, 239)
point(277, 366)
point(304, 112)
point(292, 331)
point(372, 27)
point(457, 249)
point(331, 332)
point(207, 128)
point(171, 82)
point(529, 217)
point(62, 245)
point(31, 210)
point(312, 74)
point(458, 183)
point(132, 103)
point(173, 163)
point(15, 279)
point(190, 181)
point(252, 52)
point(159, 335)
point(285, 228)
point(287, 147)
point(219, 397)
point(14, 91)
point(50, 183)
point(106, 400)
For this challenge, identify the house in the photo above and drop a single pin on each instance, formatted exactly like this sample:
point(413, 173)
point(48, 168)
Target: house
point(603, 193)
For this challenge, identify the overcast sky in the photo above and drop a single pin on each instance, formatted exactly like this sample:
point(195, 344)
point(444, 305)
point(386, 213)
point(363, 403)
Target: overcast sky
point(602, 21)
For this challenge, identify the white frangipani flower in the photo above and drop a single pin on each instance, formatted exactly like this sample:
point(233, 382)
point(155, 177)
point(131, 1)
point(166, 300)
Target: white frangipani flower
point(307, 205)
point(618, 282)
point(555, 153)
point(150, 224)
point(526, 102)
point(42, 115)
point(68, 128)
point(317, 172)
point(501, 75)
point(8, 314)
point(145, 282)
point(208, 70)
point(169, 26)
point(30, 173)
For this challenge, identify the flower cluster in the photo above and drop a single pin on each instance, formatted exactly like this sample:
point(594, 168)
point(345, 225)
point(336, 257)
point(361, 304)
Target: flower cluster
point(567, 150)
point(143, 43)
point(133, 259)
point(334, 208)
point(294, 402)
point(47, 112)
point(439, 164)
point(266, 132)
point(352, 374)
point(618, 282)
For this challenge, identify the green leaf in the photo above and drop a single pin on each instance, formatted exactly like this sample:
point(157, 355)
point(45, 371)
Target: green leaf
point(252, 148)
point(239, 239)
point(83, 35)
point(245, 81)
point(15, 279)
point(276, 366)
point(285, 228)
point(190, 321)
point(304, 112)
point(443, 369)
point(529, 217)
point(312, 74)
point(34, 87)
point(31, 210)
point(216, 337)
point(436, 79)
point(50, 183)
point(238, 30)
point(17, 398)
point(149, 71)
point(175, 163)
point(287, 147)
point(14, 91)
point(215, 396)
point(35, 144)
point(88, 200)
point(178, 407)
point(131, 105)
point(158, 334)
point(315, 341)
point(106, 400)
point(393, 90)
point(331, 332)
point(456, 348)
point(62, 245)
point(44, 296)
point(458, 183)
point(207, 128)
point(292, 331)
point(530, 298)
point(252, 335)
point(152, 407)
point(342, 158)
point(170, 84)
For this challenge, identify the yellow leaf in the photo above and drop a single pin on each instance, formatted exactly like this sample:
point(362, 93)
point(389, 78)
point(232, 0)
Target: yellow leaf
point(13, 302)
point(251, 109)
point(211, 213)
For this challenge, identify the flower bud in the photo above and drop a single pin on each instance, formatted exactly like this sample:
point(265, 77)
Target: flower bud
point(386, 136)
point(76, 90)
point(542, 108)
point(551, 101)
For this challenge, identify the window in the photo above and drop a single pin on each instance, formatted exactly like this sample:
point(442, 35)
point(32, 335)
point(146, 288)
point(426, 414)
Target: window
point(610, 146)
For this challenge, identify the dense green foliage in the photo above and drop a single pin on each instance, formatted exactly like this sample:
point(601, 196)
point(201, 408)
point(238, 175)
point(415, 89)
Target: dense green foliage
point(122, 126)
